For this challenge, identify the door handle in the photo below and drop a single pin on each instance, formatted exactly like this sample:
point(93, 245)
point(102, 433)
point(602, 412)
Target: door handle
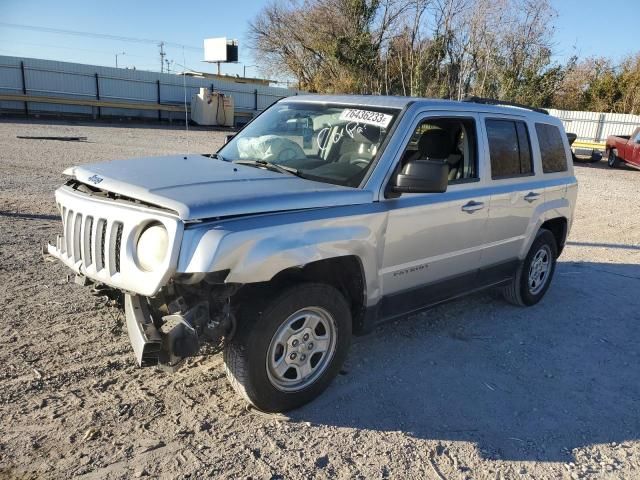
point(472, 206)
point(531, 197)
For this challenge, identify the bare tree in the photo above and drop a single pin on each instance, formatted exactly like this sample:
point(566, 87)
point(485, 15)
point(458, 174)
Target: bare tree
point(440, 48)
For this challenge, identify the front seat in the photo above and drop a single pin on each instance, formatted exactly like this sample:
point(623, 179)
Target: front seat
point(434, 145)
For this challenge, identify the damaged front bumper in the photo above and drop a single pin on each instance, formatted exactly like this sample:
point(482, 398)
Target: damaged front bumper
point(165, 342)
point(143, 335)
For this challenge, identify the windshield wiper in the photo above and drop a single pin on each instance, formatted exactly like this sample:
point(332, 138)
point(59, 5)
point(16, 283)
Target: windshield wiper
point(271, 166)
point(217, 156)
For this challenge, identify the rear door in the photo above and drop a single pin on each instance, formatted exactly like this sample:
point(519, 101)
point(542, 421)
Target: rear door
point(516, 190)
point(554, 160)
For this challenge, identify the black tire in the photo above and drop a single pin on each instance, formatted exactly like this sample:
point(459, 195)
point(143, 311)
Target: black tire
point(613, 161)
point(518, 292)
point(247, 353)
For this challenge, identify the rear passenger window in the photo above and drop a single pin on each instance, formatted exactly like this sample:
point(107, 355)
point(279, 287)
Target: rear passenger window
point(509, 148)
point(554, 158)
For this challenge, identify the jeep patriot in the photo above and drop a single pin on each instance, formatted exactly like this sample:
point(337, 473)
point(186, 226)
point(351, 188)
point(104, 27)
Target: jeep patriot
point(322, 217)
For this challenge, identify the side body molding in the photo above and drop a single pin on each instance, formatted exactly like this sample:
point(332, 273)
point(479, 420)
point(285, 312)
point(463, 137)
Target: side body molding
point(255, 249)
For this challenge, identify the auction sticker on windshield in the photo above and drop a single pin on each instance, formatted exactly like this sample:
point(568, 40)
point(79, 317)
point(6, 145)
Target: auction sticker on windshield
point(365, 116)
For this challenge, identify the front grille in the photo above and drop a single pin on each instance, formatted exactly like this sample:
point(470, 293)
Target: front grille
point(98, 236)
point(92, 241)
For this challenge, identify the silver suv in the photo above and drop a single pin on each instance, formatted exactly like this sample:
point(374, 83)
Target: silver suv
point(321, 218)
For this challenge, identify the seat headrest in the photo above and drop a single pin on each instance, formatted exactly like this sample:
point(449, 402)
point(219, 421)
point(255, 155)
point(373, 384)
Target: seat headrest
point(435, 144)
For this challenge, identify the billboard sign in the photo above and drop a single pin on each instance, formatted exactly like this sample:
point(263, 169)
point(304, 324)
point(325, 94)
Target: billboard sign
point(220, 49)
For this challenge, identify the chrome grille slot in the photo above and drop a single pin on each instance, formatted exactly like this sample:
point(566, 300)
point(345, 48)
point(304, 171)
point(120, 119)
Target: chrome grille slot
point(77, 230)
point(112, 247)
point(117, 246)
point(64, 230)
point(101, 233)
point(87, 235)
point(68, 233)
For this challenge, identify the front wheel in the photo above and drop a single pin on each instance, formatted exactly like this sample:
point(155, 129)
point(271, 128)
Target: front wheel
point(535, 273)
point(285, 354)
point(613, 161)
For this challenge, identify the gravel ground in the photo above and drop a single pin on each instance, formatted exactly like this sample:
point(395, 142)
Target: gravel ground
point(472, 389)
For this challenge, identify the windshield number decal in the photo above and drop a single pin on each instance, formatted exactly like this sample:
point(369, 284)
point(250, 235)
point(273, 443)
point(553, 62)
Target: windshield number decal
point(365, 116)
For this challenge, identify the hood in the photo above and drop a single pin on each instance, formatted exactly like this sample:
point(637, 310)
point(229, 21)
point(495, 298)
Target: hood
point(198, 187)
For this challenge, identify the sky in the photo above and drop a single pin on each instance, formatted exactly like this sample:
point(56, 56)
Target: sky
point(581, 28)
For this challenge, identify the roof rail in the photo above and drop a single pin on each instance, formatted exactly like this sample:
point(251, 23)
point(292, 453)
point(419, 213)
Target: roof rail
point(493, 101)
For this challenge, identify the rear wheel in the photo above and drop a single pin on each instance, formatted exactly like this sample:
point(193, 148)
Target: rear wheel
point(613, 161)
point(285, 354)
point(535, 273)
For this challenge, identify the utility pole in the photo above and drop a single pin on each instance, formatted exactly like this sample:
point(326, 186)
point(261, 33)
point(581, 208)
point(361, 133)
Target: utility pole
point(244, 69)
point(162, 55)
point(121, 53)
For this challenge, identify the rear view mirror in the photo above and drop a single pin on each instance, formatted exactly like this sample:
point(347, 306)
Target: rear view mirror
point(422, 176)
point(228, 138)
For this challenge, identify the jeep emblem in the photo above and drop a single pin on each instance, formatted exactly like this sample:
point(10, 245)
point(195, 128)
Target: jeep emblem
point(95, 179)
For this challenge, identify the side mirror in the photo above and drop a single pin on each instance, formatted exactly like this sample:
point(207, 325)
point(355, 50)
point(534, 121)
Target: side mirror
point(228, 138)
point(572, 137)
point(422, 176)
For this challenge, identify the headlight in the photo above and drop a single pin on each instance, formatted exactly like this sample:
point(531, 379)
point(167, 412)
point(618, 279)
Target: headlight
point(152, 246)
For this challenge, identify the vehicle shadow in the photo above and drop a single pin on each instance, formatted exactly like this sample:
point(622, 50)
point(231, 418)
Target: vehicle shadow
point(115, 122)
point(620, 246)
point(29, 216)
point(602, 164)
point(521, 383)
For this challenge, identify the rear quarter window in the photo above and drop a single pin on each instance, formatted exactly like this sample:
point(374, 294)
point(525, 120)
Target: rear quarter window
point(554, 158)
point(509, 148)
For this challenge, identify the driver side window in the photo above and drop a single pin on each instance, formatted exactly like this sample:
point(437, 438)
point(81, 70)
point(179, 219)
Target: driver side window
point(449, 140)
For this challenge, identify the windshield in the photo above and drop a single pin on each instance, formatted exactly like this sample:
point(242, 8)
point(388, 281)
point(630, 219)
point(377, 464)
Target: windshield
point(327, 143)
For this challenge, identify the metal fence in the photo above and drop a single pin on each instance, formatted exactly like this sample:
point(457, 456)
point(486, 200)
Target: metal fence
point(596, 127)
point(48, 78)
point(36, 77)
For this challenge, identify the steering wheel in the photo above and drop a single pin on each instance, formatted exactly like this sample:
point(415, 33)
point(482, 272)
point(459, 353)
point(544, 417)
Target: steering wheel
point(361, 162)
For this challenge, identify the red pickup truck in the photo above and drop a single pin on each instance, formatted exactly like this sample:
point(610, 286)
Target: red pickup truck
point(624, 149)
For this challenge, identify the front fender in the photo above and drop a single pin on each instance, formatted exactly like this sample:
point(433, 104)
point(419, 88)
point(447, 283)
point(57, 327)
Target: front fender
point(258, 248)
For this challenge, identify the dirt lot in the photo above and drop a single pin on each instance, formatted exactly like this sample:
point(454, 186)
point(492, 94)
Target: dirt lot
point(472, 389)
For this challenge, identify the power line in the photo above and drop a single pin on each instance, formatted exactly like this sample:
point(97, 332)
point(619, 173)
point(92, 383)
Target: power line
point(105, 36)
point(49, 45)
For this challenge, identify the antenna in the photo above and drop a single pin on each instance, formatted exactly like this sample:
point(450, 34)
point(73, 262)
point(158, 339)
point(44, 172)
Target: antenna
point(162, 55)
point(184, 87)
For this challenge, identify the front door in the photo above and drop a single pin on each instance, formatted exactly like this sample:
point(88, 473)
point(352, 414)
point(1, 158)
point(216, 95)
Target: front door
point(434, 241)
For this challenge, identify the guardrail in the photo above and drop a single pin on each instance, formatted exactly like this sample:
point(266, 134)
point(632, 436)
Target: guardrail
point(26, 99)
